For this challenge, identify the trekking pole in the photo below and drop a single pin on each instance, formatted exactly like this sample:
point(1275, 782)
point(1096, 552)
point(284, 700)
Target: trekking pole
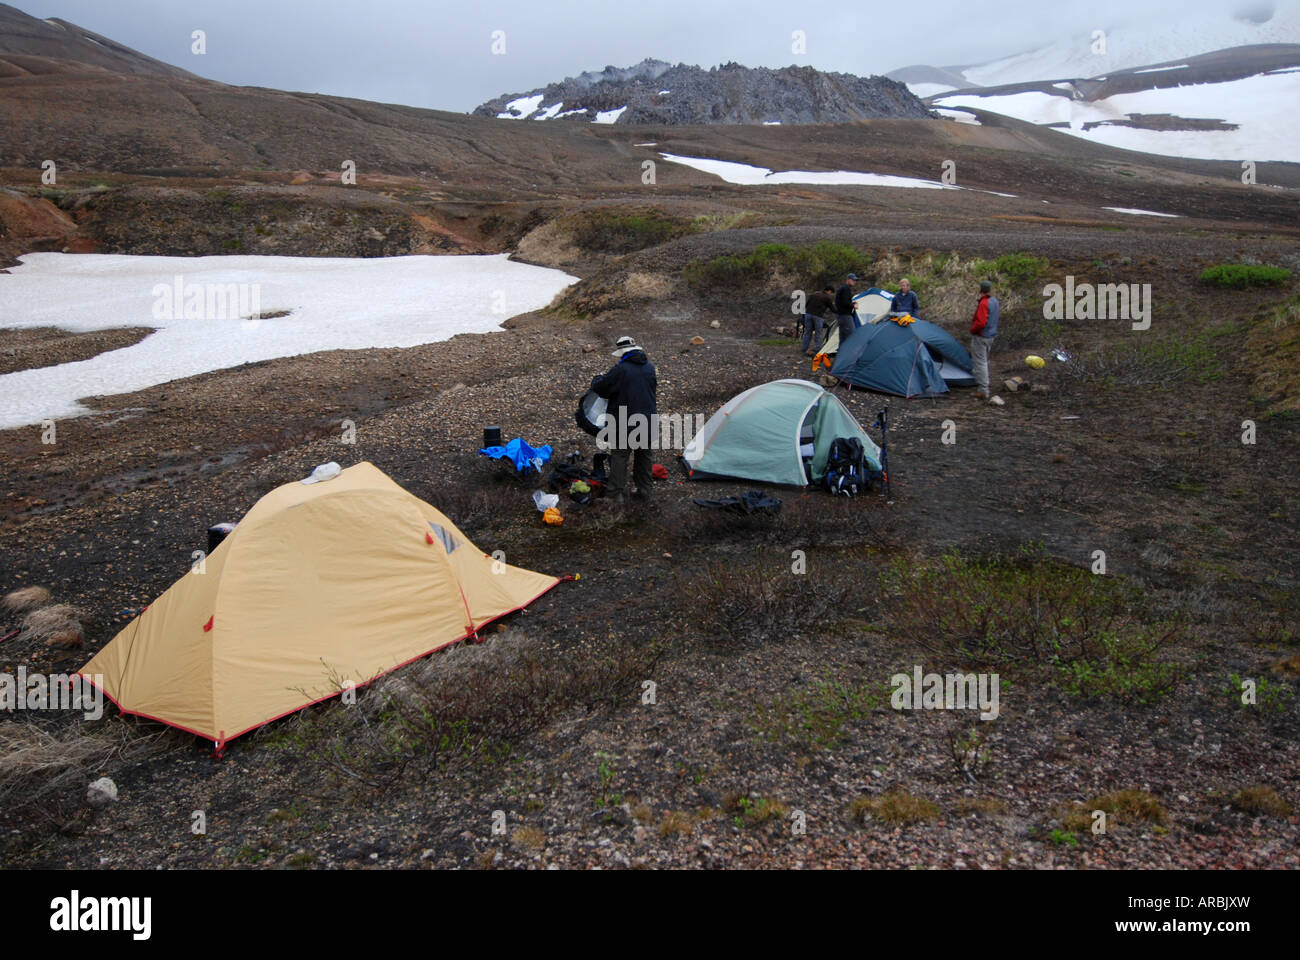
point(882, 421)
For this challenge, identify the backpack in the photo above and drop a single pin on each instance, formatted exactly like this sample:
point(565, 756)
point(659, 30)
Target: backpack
point(846, 467)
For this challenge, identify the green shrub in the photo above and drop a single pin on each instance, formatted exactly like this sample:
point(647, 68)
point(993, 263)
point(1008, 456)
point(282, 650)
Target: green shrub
point(1150, 362)
point(1091, 634)
point(616, 231)
point(1013, 269)
point(1239, 276)
point(823, 263)
point(818, 717)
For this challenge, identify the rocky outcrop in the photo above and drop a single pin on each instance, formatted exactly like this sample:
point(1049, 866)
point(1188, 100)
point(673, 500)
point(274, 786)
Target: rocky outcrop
point(654, 92)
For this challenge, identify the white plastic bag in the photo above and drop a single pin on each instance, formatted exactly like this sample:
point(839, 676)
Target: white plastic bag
point(326, 471)
point(545, 501)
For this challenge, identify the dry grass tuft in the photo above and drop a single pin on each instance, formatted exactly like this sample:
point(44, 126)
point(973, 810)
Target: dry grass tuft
point(896, 807)
point(59, 625)
point(529, 838)
point(1120, 807)
point(25, 599)
point(38, 766)
point(676, 821)
point(1260, 801)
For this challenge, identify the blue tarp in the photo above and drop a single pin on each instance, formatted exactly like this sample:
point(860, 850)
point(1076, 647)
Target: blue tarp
point(518, 452)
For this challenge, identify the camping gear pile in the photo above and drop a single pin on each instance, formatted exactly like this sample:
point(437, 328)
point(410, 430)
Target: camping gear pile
point(583, 485)
point(319, 588)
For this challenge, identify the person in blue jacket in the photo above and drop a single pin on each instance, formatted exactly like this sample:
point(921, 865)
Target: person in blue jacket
point(905, 300)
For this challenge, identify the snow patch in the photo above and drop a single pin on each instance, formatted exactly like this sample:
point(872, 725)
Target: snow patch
point(551, 111)
point(521, 108)
point(336, 304)
point(745, 174)
point(1142, 213)
point(924, 90)
point(1251, 103)
point(960, 116)
point(1143, 36)
point(609, 116)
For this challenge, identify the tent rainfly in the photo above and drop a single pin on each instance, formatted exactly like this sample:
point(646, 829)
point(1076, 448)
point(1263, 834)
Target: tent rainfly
point(321, 586)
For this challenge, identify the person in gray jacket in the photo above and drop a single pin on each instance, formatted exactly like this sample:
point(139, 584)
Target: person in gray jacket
point(983, 328)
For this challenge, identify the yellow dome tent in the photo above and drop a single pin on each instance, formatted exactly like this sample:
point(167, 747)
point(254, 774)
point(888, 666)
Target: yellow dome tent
point(321, 585)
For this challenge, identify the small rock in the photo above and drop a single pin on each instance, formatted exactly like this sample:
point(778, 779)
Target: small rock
point(101, 793)
point(697, 341)
point(588, 348)
point(715, 324)
point(997, 401)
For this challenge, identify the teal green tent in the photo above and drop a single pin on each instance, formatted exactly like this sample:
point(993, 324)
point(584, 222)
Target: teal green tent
point(778, 432)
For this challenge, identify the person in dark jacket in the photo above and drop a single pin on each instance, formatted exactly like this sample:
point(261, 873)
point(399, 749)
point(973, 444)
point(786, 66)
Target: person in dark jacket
point(844, 309)
point(816, 307)
point(905, 300)
point(631, 419)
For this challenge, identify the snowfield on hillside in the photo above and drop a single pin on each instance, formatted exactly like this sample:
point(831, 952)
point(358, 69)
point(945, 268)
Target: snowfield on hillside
point(332, 304)
point(1259, 107)
point(1146, 39)
point(743, 173)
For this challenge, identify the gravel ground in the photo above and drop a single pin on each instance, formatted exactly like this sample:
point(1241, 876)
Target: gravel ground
point(107, 518)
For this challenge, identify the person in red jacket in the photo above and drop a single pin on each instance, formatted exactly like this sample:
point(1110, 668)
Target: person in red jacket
point(983, 328)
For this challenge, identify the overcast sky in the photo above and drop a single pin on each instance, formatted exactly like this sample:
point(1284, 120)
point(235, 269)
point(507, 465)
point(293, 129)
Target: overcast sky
point(432, 53)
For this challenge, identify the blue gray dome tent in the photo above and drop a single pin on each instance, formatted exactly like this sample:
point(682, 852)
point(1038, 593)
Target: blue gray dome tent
point(912, 359)
point(778, 432)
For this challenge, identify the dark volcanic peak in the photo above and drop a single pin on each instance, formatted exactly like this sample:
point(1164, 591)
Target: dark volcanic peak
point(654, 92)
